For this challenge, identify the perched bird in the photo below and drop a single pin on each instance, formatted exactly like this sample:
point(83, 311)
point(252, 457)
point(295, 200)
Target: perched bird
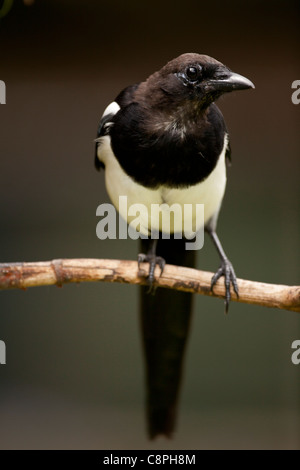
point(164, 141)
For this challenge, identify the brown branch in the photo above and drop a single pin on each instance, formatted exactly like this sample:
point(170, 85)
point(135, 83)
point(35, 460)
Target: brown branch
point(59, 272)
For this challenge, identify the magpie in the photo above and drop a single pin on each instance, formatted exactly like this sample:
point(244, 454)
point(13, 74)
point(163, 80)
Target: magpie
point(164, 141)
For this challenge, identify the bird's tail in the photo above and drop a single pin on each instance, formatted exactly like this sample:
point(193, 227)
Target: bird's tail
point(165, 319)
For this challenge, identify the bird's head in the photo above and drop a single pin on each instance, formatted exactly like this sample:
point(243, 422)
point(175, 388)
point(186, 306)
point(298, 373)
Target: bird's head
point(194, 78)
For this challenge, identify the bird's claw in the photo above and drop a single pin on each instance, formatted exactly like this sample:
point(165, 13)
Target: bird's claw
point(153, 261)
point(226, 270)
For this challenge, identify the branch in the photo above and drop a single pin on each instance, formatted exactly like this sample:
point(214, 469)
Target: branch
point(62, 271)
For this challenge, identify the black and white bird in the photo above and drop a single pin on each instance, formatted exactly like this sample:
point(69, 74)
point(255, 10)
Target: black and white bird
point(164, 141)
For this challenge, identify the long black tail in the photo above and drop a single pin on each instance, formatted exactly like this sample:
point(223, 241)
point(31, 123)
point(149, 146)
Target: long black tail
point(165, 319)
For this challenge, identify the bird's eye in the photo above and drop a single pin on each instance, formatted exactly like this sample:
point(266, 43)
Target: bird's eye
point(193, 73)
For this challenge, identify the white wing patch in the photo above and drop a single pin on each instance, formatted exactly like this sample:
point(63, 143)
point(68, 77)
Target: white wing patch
point(112, 108)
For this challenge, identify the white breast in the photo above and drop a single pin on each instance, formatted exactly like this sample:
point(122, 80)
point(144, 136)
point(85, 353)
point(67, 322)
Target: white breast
point(210, 192)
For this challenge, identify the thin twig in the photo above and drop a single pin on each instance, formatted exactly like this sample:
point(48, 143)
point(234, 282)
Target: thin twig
point(62, 271)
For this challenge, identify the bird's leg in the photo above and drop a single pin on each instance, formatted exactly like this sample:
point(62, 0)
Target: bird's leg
point(153, 260)
point(225, 269)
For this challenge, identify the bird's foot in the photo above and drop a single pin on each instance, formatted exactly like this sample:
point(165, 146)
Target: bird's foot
point(153, 261)
point(226, 270)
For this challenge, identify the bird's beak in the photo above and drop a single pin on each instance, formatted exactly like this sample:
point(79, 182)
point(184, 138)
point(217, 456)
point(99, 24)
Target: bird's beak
point(229, 82)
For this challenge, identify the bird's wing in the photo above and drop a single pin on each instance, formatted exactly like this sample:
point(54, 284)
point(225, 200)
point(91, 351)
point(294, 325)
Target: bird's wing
point(228, 153)
point(103, 129)
point(107, 120)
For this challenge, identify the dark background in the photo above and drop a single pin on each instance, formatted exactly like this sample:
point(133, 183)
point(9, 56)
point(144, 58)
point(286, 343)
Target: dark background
point(74, 372)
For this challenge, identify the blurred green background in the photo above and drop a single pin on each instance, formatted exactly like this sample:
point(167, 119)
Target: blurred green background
point(74, 373)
